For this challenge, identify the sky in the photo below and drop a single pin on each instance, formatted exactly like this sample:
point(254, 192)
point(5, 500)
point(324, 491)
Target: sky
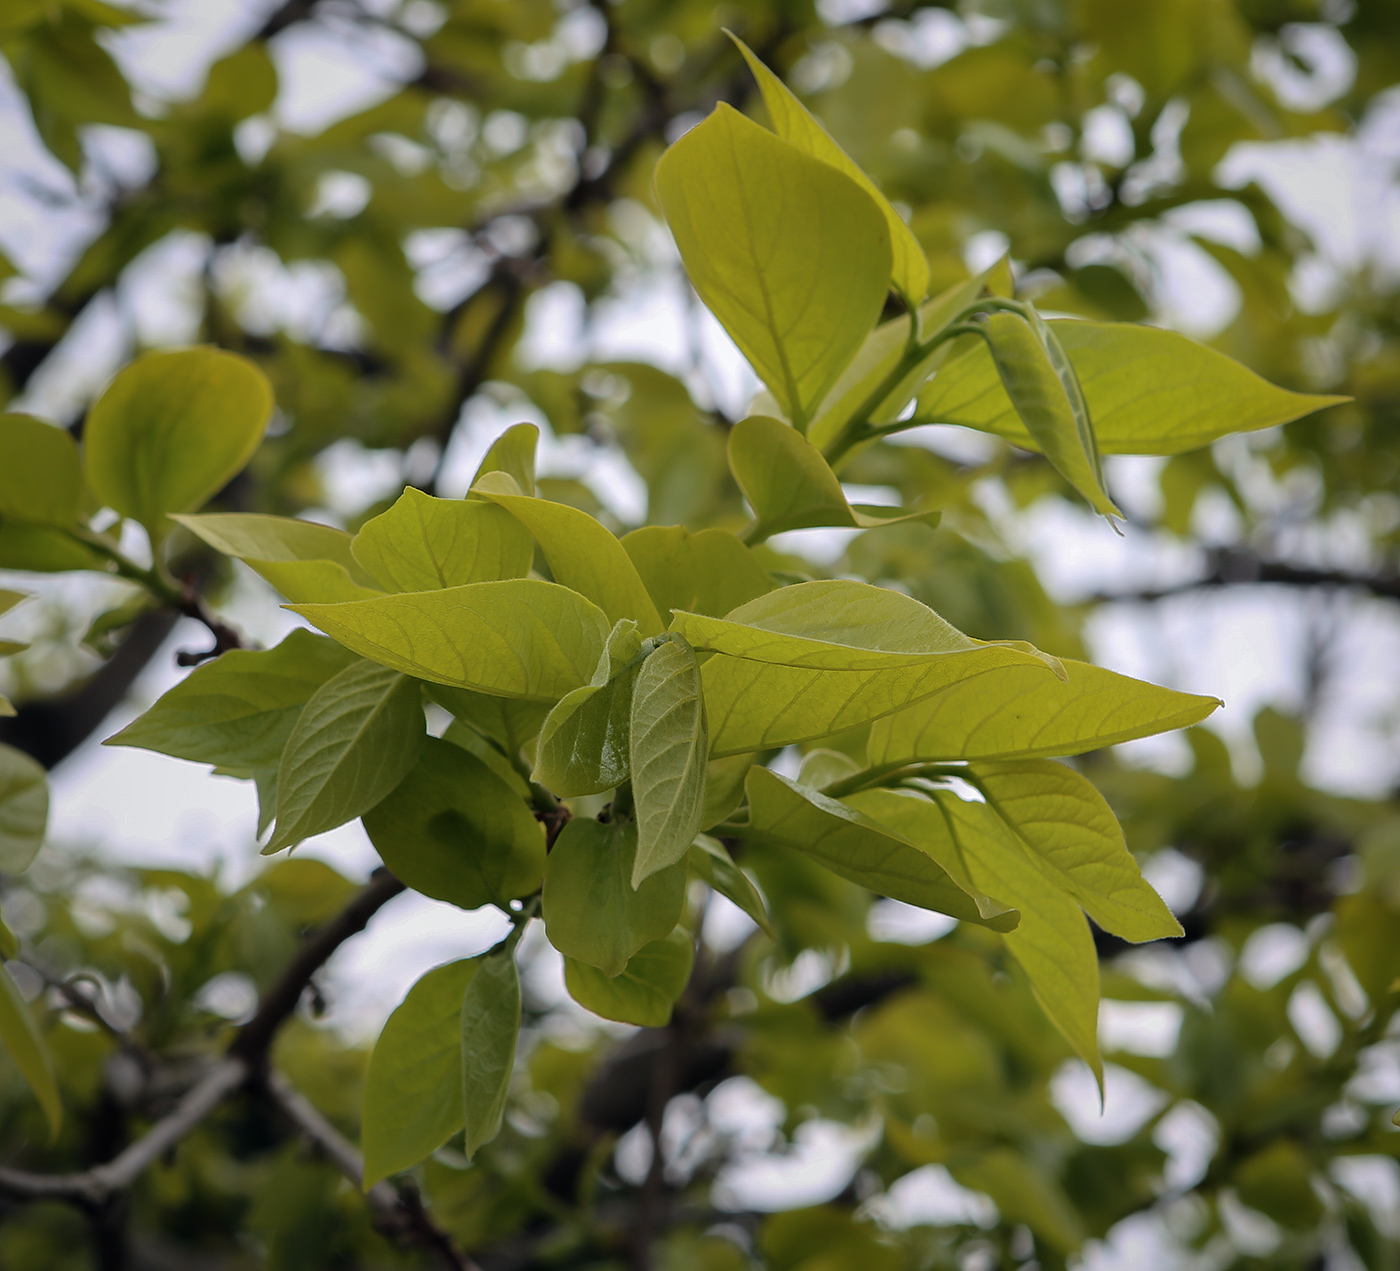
point(1246, 647)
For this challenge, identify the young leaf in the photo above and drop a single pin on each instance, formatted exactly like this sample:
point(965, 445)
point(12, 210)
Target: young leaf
point(21, 1038)
point(1017, 711)
point(791, 256)
point(670, 744)
point(354, 741)
point(709, 572)
point(513, 453)
point(849, 843)
point(789, 485)
point(490, 1031)
point(41, 475)
point(583, 745)
point(24, 809)
point(238, 710)
point(413, 1086)
point(794, 123)
point(1149, 391)
point(453, 830)
point(591, 911)
point(172, 429)
point(1049, 404)
point(306, 562)
point(1052, 942)
point(521, 637)
point(425, 544)
point(586, 557)
point(1064, 823)
point(645, 991)
point(710, 861)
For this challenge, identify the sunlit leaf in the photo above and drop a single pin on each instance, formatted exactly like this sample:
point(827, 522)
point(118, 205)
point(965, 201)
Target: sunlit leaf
point(708, 572)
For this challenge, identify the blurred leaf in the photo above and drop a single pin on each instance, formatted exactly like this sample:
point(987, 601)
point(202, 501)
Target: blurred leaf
point(24, 809)
point(25, 1046)
point(41, 477)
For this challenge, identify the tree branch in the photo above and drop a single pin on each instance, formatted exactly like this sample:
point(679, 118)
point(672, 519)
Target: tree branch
point(1231, 566)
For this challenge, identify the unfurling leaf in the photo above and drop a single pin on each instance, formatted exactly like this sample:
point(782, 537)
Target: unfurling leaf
point(413, 1086)
point(238, 710)
point(645, 991)
point(24, 809)
point(791, 255)
point(425, 544)
point(354, 741)
point(22, 1040)
point(670, 745)
point(454, 830)
point(172, 429)
point(592, 913)
point(490, 1032)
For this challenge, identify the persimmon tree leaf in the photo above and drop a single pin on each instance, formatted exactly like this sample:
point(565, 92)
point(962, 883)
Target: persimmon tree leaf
point(41, 473)
point(1016, 711)
point(353, 742)
point(22, 1041)
point(592, 913)
point(44, 549)
point(456, 831)
point(710, 861)
point(1048, 400)
point(306, 562)
point(413, 1085)
point(669, 747)
point(490, 1033)
point(791, 255)
point(583, 744)
point(1149, 391)
point(645, 991)
point(172, 429)
point(513, 453)
point(795, 124)
point(238, 710)
point(1067, 826)
point(789, 485)
point(520, 637)
point(425, 544)
point(24, 809)
point(510, 722)
point(709, 572)
point(853, 845)
point(584, 556)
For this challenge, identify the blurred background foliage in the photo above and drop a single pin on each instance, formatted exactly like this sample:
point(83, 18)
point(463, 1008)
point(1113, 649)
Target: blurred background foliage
point(433, 260)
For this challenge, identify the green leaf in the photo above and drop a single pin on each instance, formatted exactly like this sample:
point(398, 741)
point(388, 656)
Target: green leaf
point(791, 256)
point(794, 123)
point(710, 861)
point(45, 550)
point(1017, 711)
point(583, 745)
point(475, 743)
point(591, 911)
point(521, 637)
point(21, 1039)
point(10, 599)
point(709, 572)
point(1048, 400)
point(172, 430)
point(490, 1031)
point(354, 741)
point(866, 852)
point(453, 830)
point(789, 485)
point(1063, 821)
point(670, 743)
point(413, 1086)
point(41, 475)
point(1052, 942)
point(425, 544)
point(238, 710)
point(724, 786)
point(645, 991)
point(1024, 1191)
point(513, 453)
point(306, 562)
point(9, 942)
point(585, 556)
point(24, 809)
point(1148, 391)
point(510, 722)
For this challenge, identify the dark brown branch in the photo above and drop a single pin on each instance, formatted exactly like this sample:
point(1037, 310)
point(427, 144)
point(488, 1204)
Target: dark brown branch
point(1228, 567)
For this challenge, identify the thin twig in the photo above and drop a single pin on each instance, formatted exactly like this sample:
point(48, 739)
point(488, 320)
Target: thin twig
point(1227, 567)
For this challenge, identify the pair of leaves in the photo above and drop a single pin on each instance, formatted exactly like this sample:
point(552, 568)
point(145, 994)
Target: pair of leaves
point(442, 1063)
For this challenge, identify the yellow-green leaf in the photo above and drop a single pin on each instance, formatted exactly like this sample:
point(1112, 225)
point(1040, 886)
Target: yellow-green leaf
point(711, 862)
point(708, 572)
point(645, 991)
point(791, 256)
point(41, 475)
point(513, 453)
